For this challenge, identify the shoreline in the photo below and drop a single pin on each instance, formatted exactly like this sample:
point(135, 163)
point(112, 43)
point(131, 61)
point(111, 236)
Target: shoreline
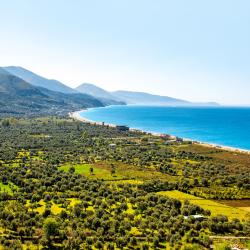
point(76, 115)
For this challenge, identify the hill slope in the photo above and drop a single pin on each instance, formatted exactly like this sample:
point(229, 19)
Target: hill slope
point(129, 97)
point(94, 90)
point(138, 98)
point(144, 98)
point(37, 80)
point(19, 97)
point(12, 86)
point(103, 95)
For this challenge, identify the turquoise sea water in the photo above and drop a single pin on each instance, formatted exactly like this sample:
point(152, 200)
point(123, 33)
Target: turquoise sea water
point(228, 126)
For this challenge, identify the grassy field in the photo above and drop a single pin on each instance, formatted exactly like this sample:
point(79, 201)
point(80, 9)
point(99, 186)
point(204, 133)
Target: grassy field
point(130, 172)
point(132, 182)
point(74, 201)
point(84, 169)
point(7, 188)
point(55, 209)
point(222, 244)
point(233, 160)
point(215, 207)
point(242, 204)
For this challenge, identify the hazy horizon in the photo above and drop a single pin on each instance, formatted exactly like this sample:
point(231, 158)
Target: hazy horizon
point(197, 51)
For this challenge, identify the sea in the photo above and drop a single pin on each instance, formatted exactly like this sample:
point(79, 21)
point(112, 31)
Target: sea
point(225, 126)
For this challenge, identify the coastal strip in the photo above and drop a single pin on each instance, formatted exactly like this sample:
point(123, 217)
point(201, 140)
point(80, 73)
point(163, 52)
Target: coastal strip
point(77, 116)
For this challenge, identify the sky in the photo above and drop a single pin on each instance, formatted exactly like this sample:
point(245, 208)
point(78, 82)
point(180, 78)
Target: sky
point(194, 50)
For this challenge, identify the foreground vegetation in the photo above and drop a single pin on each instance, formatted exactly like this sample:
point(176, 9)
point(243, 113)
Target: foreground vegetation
point(70, 185)
point(214, 207)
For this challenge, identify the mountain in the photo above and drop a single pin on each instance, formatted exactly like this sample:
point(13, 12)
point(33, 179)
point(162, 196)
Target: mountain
point(39, 81)
point(147, 99)
point(57, 86)
point(137, 98)
point(11, 85)
point(101, 94)
point(128, 97)
point(94, 90)
point(20, 97)
point(75, 99)
point(18, 83)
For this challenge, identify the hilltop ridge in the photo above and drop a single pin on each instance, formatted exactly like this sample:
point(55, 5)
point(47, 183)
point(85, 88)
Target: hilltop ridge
point(38, 80)
point(20, 97)
point(137, 98)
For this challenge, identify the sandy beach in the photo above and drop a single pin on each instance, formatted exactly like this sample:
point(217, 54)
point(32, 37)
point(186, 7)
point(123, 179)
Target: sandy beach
point(76, 115)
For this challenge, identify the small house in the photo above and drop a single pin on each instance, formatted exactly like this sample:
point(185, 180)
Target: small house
point(122, 128)
point(198, 217)
point(112, 146)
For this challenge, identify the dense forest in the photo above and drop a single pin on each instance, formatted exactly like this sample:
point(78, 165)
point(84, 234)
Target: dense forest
point(65, 184)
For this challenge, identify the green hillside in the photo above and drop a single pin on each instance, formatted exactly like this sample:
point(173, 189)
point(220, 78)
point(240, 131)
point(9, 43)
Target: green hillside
point(21, 98)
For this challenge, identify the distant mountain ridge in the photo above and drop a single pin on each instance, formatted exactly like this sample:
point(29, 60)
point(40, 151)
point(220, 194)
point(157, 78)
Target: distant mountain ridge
point(20, 97)
point(22, 91)
point(14, 86)
point(54, 85)
point(39, 81)
point(93, 90)
point(147, 99)
point(137, 98)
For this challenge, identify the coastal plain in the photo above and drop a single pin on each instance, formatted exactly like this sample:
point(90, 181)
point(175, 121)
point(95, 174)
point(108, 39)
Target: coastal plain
point(146, 191)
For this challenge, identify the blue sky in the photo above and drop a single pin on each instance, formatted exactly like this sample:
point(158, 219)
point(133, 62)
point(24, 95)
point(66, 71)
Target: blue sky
point(195, 50)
